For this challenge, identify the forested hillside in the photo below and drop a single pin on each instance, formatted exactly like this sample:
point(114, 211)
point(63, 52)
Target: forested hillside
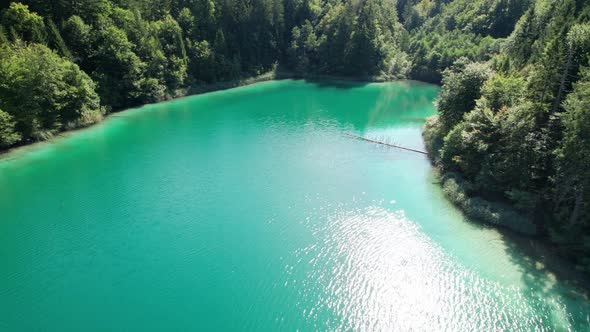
point(64, 64)
point(513, 134)
point(512, 139)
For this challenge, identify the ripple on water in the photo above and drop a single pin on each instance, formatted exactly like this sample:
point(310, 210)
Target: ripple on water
point(374, 270)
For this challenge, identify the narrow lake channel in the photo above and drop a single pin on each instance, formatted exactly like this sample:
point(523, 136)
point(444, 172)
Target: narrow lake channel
point(250, 209)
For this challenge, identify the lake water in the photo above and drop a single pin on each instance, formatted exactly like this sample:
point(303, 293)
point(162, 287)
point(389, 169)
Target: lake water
point(249, 209)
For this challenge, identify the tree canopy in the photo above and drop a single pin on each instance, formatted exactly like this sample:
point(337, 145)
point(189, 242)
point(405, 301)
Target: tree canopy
point(519, 133)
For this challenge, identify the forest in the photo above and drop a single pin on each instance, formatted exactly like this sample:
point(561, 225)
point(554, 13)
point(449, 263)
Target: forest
point(511, 139)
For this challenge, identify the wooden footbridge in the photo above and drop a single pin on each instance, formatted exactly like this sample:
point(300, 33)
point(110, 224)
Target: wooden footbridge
point(391, 145)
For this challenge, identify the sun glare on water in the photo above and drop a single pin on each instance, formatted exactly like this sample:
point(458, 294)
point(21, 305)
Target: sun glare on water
point(376, 271)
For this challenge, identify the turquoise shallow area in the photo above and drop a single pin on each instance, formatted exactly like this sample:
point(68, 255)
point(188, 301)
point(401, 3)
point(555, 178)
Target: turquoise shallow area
point(249, 209)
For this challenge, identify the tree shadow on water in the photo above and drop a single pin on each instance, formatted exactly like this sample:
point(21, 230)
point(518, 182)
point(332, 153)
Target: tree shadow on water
point(551, 285)
point(549, 278)
point(337, 83)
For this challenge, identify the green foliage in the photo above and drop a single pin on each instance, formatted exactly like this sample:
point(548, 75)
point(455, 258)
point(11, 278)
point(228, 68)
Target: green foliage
point(23, 24)
point(57, 42)
point(572, 188)
point(433, 137)
point(203, 61)
point(146, 51)
point(3, 37)
point(78, 37)
point(462, 84)
point(468, 144)
point(458, 191)
point(521, 136)
point(118, 69)
point(501, 91)
point(413, 13)
point(461, 28)
point(89, 10)
point(174, 71)
point(371, 45)
point(356, 39)
point(44, 93)
point(303, 52)
point(8, 134)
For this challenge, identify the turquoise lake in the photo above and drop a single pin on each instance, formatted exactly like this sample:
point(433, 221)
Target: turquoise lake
point(251, 210)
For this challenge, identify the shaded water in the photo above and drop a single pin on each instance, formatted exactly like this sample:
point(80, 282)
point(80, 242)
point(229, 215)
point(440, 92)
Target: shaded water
point(248, 209)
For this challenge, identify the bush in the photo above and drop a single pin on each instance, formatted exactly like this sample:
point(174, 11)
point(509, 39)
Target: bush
point(8, 136)
point(458, 192)
point(433, 137)
point(44, 93)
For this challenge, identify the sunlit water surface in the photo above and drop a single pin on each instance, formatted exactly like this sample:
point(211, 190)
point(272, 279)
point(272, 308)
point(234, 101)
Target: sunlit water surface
point(249, 209)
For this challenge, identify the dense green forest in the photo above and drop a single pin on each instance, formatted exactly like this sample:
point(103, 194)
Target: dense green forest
point(67, 63)
point(512, 139)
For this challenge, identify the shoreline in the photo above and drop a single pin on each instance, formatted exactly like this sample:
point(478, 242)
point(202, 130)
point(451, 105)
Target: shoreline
point(545, 254)
point(273, 75)
point(188, 92)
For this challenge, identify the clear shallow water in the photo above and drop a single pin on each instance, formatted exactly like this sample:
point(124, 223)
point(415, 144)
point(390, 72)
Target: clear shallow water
point(249, 209)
